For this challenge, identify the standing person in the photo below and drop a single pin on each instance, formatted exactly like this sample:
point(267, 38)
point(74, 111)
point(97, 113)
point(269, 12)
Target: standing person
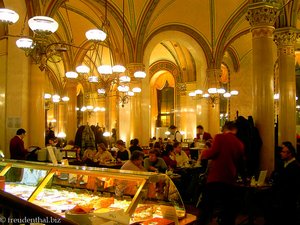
point(175, 135)
point(202, 135)
point(286, 187)
point(226, 155)
point(16, 145)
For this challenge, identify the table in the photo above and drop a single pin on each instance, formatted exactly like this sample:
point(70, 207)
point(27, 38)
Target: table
point(255, 197)
point(189, 219)
point(188, 183)
point(195, 152)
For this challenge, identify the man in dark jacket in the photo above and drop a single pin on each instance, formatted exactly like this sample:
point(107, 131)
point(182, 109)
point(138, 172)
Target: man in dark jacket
point(286, 187)
point(16, 146)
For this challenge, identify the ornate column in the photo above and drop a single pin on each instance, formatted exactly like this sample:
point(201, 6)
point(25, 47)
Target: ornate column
point(213, 76)
point(262, 16)
point(71, 123)
point(139, 115)
point(285, 38)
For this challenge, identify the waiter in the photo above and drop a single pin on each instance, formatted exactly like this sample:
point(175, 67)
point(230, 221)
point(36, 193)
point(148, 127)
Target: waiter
point(16, 145)
point(175, 135)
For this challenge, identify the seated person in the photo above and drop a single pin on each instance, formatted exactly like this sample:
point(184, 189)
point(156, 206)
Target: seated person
point(135, 163)
point(195, 143)
point(135, 146)
point(88, 156)
point(123, 153)
point(180, 156)
point(102, 154)
point(155, 163)
point(286, 184)
point(169, 157)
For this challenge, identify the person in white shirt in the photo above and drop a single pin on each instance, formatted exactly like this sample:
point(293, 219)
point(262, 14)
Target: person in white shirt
point(180, 155)
point(175, 135)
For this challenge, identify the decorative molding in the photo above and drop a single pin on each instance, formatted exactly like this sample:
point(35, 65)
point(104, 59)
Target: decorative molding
point(165, 65)
point(259, 32)
point(234, 58)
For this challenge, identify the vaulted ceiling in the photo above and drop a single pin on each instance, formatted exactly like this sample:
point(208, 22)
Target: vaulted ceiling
point(184, 32)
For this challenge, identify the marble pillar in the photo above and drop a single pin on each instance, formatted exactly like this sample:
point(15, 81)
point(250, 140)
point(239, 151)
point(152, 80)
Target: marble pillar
point(285, 38)
point(36, 132)
point(262, 17)
point(14, 85)
point(213, 76)
point(61, 121)
point(140, 107)
point(71, 123)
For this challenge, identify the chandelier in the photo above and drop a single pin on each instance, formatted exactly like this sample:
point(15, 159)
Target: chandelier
point(107, 77)
point(55, 98)
point(215, 90)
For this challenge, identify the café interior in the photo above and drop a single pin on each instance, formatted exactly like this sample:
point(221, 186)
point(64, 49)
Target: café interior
point(134, 68)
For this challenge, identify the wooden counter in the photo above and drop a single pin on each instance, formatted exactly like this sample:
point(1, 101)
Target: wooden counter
point(189, 219)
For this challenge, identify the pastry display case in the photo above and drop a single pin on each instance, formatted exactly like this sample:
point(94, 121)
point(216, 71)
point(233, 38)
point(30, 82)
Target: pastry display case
point(89, 195)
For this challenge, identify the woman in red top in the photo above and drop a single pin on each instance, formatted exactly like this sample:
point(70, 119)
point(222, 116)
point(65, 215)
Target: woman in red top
point(169, 156)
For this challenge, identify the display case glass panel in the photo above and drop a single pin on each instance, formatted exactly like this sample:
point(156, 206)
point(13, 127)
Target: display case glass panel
point(91, 195)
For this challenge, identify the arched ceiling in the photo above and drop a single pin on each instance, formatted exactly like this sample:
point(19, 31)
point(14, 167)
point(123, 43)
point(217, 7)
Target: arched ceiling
point(214, 25)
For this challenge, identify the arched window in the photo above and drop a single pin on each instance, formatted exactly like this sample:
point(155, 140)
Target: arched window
point(165, 106)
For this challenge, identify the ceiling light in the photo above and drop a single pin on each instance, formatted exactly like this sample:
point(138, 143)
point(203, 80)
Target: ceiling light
point(212, 90)
point(139, 74)
point(118, 69)
point(198, 92)
point(25, 43)
point(130, 93)
point(8, 16)
point(95, 35)
point(105, 69)
point(136, 90)
point(101, 91)
point(65, 99)
point(82, 69)
point(47, 96)
point(226, 95)
point(93, 79)
point(71, 74)
point(234, 92)
point(43, 25)
point(124, 79)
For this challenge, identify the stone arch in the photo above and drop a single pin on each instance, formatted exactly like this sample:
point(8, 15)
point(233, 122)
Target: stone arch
point(166, 66)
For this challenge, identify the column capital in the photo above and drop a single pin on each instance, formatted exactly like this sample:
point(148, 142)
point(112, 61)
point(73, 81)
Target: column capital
point(262, 14)
point(133, 67)
point(286, 36)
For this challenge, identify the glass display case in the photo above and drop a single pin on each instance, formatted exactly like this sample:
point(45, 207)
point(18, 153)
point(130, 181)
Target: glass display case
point(89, 195)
